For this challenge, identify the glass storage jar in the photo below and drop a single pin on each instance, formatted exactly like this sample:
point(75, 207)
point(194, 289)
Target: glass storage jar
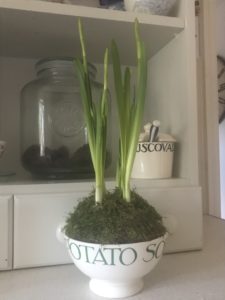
point(53, 133)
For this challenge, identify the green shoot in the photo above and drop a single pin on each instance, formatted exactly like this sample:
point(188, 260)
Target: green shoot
point(95, 114)
point(130, 111)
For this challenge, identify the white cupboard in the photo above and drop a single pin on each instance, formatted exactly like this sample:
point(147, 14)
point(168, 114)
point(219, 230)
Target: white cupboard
point(5, 232)
point(30, 30)
point(36, 218)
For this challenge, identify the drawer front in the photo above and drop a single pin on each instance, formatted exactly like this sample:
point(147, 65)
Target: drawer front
point(36, 218)
point(182, 211)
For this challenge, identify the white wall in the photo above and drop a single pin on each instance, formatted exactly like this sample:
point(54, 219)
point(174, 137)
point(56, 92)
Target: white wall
point(220, 26)
point(222, 167)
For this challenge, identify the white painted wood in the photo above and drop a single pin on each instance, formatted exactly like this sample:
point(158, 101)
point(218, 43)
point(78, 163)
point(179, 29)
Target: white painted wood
point(222, 167)
point(5, 232)
point(202, 144)
point(169, 62)
point(172, 94)
point(184, 205)
point(209, 121)
point(31, 186)
point(36, 218)
point(220, 48)
point(190, 54)
point(171, 90)
point(165, 101)
point(28, 25)
point(220, 17)
point(14, 74)
point(34, 29)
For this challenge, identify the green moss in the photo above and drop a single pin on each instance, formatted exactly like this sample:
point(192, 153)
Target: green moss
point(115, 221)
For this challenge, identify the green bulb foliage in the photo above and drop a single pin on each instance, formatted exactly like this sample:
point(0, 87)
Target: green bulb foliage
point(114, 220)
point(130, 110)
point(95, 114)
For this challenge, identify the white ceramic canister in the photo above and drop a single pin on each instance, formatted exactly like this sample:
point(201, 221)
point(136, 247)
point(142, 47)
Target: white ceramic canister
point(153, 160)
point(154, 7)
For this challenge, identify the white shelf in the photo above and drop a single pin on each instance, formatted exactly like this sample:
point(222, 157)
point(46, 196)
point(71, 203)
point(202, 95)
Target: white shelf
point(16, 185)
point(34, 29)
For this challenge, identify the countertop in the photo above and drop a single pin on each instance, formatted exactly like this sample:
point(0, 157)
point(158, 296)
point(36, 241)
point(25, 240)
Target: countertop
point(198, 275)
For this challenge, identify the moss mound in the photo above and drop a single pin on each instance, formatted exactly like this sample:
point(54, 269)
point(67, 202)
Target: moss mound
point(114, 221)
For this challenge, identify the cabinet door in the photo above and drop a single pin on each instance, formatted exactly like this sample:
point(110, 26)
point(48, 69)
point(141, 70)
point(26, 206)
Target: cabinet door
point(181, 209)
point(36, 218)
point(5, 232)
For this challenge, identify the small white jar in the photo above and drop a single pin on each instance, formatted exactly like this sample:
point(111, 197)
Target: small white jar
point(153, 160)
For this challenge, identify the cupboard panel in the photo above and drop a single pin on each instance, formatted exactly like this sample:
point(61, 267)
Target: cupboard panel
point(5, 232)
point(181, 209)
point(36, 218)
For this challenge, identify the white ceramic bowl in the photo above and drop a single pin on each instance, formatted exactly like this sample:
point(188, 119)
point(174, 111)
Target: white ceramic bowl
point(154, 7)
point(2, 147)
point(116, 271)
